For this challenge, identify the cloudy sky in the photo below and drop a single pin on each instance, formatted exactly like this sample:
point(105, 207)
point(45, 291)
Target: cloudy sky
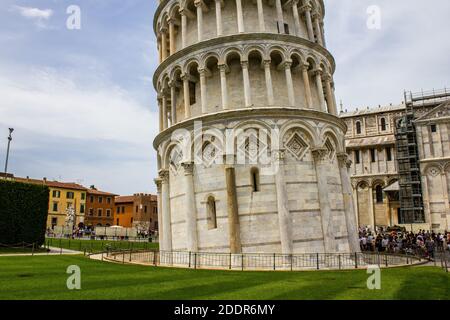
point(83, 105)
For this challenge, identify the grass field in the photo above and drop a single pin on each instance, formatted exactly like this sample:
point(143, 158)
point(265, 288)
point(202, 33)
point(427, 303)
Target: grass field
point(44, 277)
point(98, 245)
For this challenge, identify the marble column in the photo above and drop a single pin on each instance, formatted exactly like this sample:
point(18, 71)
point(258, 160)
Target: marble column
point(262, 24)
point(198, 5)
point(160, 110)
point(203, 93)
point(247, 90)
point(329, 92)
point(158, 183)
point(356, 205)
point(159, 49)
point(173, 102)
point(219, 4)
point(308, 94)
point(191, 208)
point(280, 18)
point(371, 208)
point(289, 83)
point(320, 159)
point(309, 25)
point(240, 16)
point(284, 216)
point(223, 85)
point(186, 96)
point(350, 220)
point(318, 75)
point(165, 206)
point(232, 209)
point(269, 85)
point(164, 111)
point(163, 44)
point(298, 31)
point(445, 195)
point(316, 20)
point(183, 28)
point(171, 23)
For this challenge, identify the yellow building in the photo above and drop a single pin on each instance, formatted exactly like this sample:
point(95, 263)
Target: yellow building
point(63, 196)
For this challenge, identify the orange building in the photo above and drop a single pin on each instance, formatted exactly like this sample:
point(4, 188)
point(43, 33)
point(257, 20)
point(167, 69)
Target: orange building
point(139, 211)
point(99, 208)
point(123, 212)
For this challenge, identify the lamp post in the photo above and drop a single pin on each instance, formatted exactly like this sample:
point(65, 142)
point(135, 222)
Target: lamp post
point(7, 150)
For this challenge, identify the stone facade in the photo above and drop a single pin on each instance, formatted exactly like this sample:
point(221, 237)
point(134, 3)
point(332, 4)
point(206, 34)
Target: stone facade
point(371, 145)
point(251, 153)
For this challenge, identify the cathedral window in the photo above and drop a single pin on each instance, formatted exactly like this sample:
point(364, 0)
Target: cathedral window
point(358, 127)
point(383, 124)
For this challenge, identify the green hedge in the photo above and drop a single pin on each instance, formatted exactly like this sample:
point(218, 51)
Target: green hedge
point(23, 212)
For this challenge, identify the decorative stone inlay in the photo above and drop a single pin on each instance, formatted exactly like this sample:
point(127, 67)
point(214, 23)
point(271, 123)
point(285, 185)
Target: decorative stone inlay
point(210, 154)
point(331, 149)
point(433, 171)
point(253, 148)
point(176, 156)
point(297, 146)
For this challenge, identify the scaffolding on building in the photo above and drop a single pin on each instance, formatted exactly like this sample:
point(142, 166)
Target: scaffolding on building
point(411, 198)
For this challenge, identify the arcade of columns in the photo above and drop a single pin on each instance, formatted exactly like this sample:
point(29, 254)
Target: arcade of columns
point(323, 80)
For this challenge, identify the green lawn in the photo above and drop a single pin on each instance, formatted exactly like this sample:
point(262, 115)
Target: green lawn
point(44, 277)
point(98, 245)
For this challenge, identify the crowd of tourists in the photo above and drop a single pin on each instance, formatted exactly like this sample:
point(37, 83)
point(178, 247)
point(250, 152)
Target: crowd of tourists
point(423, 243)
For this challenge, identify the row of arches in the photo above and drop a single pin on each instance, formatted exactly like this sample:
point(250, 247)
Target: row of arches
point(383, 125)
point(239, 77)
point(249, 143)
point(185, 22)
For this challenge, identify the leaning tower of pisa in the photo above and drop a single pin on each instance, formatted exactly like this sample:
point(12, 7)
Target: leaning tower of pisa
point(251, 153)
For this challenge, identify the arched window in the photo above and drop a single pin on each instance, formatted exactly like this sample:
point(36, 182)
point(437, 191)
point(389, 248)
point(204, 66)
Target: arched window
point(211, 213)
point(358, 127)
point(379, 194)
point(383, 124)
point(254, 176)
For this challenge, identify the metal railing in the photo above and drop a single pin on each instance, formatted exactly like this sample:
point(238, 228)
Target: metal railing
point(275, 262)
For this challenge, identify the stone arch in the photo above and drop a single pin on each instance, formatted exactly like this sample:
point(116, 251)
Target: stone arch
point(254, 48)
point(303, 126)
point(329, 131)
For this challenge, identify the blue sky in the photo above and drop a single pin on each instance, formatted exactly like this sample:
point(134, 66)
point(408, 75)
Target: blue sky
point(83, 104)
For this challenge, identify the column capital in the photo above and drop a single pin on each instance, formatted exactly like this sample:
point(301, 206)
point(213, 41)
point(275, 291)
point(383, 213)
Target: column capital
point(306, 8)
point(342, 159)
point(229, 159)
point(304, 67)
point(186, 77)
point(163, 30)
point(164, 175)
point(171, 20)
point(279, 155)
point(223, 67)
point(315, 15)
point(188, 168)
point(267, 62)
point(327, 77)
point(244, 64)
point(319, 154)
point(317, 72)
point(158, 183)
point(287, 64)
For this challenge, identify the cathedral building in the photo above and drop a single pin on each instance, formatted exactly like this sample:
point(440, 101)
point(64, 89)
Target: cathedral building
point(388, 184)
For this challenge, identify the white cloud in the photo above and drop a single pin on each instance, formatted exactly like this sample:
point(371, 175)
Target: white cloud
point(40, 17)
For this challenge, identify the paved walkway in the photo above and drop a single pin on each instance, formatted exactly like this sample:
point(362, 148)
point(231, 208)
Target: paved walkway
point(53, 251)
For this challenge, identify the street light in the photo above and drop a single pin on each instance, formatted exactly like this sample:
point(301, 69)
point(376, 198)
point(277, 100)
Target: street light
point(7, 150)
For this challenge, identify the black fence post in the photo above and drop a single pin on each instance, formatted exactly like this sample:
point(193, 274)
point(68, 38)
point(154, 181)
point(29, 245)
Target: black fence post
point(230, 261)
point(340, 262)
point(195, 260)
point(292, 261)
point(317, 261)
point(274, 262)
point(32, 250)
point(242, 262)
point(356, 260)
point(190, 259)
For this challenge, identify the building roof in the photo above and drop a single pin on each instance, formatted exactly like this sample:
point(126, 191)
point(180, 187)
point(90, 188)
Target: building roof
point(53, 184)
point(124, 199)
point(381, 109)
point(388, 139)
point(100, 193)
